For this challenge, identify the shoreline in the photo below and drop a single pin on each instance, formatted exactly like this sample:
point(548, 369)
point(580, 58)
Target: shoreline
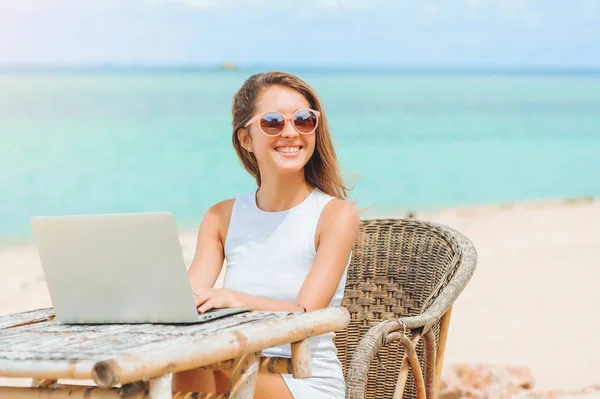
point(11, 242)
point(537, 273)
point(582, 199)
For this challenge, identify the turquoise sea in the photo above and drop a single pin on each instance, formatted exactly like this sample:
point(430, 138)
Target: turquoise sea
point(97, 141)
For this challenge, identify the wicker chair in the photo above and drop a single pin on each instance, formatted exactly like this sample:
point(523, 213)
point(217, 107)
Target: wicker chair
point(403, 279)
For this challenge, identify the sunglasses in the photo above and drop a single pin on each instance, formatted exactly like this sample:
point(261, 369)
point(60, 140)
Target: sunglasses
point(273, 123)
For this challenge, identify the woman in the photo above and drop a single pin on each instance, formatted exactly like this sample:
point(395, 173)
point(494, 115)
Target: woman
point(288, 243)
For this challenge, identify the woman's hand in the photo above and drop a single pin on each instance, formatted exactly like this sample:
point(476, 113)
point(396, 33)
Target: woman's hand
point(211, 298)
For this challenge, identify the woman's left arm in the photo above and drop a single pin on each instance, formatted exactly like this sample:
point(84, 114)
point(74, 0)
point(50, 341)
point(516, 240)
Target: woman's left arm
point(336, 234)
point(335, 237)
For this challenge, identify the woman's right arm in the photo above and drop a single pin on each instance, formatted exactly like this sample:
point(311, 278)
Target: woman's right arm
point(208, 259)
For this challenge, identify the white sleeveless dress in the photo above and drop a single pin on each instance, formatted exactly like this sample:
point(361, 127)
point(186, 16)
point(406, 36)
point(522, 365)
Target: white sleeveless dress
point(269, 254)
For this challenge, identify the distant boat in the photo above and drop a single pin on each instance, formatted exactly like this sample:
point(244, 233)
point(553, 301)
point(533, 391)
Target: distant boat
point(228, 66)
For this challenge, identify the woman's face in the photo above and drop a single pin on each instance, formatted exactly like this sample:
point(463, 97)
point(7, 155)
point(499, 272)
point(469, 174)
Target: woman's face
point(288, 152)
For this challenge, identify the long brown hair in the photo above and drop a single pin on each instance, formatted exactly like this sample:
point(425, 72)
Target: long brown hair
point(322, 169)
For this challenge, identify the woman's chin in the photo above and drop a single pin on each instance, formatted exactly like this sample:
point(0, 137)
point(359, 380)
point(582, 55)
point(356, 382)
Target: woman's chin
point(290, 165)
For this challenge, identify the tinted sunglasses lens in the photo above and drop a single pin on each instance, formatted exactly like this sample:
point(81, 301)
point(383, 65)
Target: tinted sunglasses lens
point(305, 121)
point(272, 123)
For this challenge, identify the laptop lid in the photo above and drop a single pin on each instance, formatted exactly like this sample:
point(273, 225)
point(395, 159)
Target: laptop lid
point(119, 268)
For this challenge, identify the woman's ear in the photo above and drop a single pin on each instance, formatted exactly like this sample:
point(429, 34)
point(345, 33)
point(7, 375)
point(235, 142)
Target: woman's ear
point(245, 139)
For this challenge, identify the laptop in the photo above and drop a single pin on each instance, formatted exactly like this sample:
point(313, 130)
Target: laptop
point(117, 268)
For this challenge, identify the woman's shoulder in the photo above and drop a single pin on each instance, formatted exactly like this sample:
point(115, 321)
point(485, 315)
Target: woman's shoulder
point(340, 208)
point(339, 220)
point(340, 213)
point(222, 210)
point(219, 216)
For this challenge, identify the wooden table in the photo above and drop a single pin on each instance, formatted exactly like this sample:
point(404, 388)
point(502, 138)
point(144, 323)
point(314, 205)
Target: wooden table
point(136, 360)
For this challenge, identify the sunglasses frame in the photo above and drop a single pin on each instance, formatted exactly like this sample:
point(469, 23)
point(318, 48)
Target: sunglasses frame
point(285, 121)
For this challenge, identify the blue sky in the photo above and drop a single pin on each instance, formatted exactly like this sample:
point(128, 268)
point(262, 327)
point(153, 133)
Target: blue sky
point(488, 33)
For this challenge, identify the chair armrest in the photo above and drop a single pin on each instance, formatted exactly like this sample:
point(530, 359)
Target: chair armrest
point(449, 290)
point(379, 335)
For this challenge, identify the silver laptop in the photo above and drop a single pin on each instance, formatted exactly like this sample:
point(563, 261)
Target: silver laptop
point(121, 268)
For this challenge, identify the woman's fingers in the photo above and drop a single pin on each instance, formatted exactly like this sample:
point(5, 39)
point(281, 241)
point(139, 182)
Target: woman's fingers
point(208, 305)
point(209, 298)
point(202, 296)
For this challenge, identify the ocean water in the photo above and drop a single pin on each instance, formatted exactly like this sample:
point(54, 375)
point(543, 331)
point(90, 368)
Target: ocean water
point(103, 142)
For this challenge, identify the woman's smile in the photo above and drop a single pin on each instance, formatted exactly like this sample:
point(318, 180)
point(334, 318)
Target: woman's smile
point(288, 151)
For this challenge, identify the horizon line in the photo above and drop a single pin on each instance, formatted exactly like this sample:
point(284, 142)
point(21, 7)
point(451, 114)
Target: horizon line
point(233, 67)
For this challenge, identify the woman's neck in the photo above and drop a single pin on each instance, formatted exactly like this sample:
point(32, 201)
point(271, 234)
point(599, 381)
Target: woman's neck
point(282, 193)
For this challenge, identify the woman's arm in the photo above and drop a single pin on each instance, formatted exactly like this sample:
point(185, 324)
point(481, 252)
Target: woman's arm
point(209, 256)
point(336, 234)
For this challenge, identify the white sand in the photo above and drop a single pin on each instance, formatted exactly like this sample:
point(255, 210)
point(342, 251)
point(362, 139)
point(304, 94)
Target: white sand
point(533, 300)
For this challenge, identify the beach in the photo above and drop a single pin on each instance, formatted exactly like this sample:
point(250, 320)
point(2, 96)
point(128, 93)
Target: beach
point(533, 300)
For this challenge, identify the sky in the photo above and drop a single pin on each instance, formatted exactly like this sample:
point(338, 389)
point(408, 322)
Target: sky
point(464, 33)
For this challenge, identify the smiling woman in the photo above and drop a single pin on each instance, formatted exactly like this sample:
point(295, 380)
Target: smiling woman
point(273, 99)
point(288, 243)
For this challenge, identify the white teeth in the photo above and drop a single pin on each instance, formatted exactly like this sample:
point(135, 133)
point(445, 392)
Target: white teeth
point(288, 149)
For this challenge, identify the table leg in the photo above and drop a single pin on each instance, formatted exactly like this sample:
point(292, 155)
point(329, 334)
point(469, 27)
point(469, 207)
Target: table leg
point(301, 359)
point(161, 387)
point(243, 376)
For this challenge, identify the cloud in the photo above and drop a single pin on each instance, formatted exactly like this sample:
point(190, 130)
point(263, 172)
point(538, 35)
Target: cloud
point(431, 7)
point(344, 4)
point(25, 7)
point(474, 3)
point(591, 10)
point(271, 4)
point(216, 4)
point(204, 3)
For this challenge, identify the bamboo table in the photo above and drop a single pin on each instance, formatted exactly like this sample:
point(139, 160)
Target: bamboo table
point(136, 361)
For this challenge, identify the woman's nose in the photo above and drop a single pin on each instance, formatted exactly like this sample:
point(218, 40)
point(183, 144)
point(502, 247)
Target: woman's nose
point(288, 130)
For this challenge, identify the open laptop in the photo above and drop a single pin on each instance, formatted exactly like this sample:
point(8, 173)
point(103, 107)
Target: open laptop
point(120, 268)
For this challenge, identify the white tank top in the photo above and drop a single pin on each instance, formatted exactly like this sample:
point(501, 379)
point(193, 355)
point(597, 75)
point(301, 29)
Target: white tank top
point(269, 254)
